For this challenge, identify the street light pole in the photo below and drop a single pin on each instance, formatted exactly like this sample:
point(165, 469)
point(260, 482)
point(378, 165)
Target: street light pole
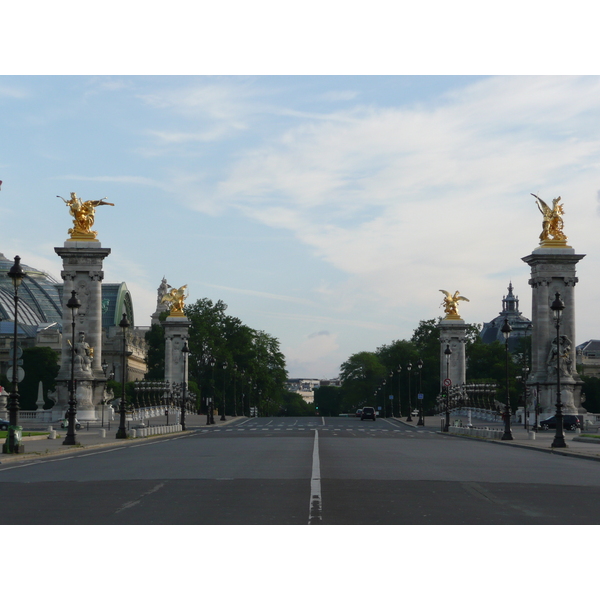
point(507, 435)
point(13, 442)
point(399, 369)
point(408, 368)
point(447, 353)
point(122, 431)
point(224, 382)
point(559, 438)
point(421, 422)
point(70, 439)
point(185, 351)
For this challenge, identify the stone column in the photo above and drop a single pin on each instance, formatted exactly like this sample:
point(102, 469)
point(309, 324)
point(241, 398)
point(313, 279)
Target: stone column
point(553, 270)
point(82, 272)
point(453, 333)
point(176, 333)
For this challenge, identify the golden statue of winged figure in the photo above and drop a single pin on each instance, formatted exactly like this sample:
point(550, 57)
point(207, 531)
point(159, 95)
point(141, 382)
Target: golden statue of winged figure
point(552, 222)
point(450, 304)
point(83, 214)
point(175, 299)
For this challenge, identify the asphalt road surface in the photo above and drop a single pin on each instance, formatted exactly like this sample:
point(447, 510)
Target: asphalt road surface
point(302, 471)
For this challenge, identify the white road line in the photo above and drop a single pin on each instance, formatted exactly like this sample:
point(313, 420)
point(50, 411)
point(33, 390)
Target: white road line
point(315, 508)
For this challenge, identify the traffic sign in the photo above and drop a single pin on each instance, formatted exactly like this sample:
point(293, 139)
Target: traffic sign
point(20, 374)
point(419, 396)
point(447, 382)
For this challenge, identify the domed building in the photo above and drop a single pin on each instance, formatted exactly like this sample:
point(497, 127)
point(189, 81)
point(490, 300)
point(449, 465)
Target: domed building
point(521, 326)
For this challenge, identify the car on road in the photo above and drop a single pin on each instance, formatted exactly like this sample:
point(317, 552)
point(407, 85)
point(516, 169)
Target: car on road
point(4, 425)
point(64, 424)
point(359, 412)
point(368, 412)
point(570, 423)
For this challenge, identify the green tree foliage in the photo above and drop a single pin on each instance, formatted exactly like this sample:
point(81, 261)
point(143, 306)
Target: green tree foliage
point(591, 389)
point(156, 350)
point(328, 401)
point(228, 360)
point(39, 364)
point(360, 375)
point(293, 405)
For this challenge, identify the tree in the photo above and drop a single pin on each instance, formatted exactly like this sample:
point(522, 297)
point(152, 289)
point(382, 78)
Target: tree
point(360, 375)
point(328, 400)
point(39, 364)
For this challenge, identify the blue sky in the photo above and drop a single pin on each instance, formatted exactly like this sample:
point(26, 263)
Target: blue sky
point(325, 210)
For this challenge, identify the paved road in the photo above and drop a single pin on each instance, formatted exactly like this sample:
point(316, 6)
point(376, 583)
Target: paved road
point(298, 471)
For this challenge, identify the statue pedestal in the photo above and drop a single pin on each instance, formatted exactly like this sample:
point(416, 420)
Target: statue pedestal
point(453, 333)
point(82, 273)
point(553, 270)
point(176, 333)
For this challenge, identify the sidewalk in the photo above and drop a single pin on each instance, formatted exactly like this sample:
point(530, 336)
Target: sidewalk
point(542, 442)
point(40, 446)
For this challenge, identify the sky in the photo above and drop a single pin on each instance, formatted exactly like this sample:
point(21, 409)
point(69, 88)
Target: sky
point(327, 211)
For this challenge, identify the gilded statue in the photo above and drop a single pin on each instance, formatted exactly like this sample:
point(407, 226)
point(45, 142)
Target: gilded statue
point(175, 299)
point(552, 222)
point(450, 304)
point(83, 214)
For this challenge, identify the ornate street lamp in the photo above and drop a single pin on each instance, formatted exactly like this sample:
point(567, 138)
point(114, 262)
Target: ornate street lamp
point(104, 366)
point(70, 439)
point(408, 368)
point(421, 422)
point(122, 431)
point(559, 438)
point(13, 441)
point(447, 353)
point(224, 382)
point(185, 351)
point(507, 435)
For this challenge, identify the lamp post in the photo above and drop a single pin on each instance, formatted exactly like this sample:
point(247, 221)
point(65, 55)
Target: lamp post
point(224, 382)
point(234, 396)
point(408, 368)
point(399, 370)
point(559, 438)
point(13, 441)
point(421, 422)
point(507, 435)
point(185, 351)
point(70, 439)
point(122, 431)
point(104, 366)
point(524, 372)
point(447, 354)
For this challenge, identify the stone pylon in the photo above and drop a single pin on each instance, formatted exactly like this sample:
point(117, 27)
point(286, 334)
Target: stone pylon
point(453, 333)
point(176, 333)
point(82, 272)
point(553, 270)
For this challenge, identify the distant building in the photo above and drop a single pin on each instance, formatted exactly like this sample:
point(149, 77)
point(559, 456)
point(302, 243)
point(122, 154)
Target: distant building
point(306, 387)
point(521, 326)
point(587, 358)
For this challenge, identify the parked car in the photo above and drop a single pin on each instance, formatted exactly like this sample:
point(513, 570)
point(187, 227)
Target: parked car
point(359, 412)
point(4, 425)
point(570, 423)
point(64, 424)
point(368, 412)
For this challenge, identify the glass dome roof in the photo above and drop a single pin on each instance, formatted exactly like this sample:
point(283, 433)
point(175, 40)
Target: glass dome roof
point(39, 300)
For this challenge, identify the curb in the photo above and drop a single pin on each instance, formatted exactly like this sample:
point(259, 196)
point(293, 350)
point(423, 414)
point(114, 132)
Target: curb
point(571, 453)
